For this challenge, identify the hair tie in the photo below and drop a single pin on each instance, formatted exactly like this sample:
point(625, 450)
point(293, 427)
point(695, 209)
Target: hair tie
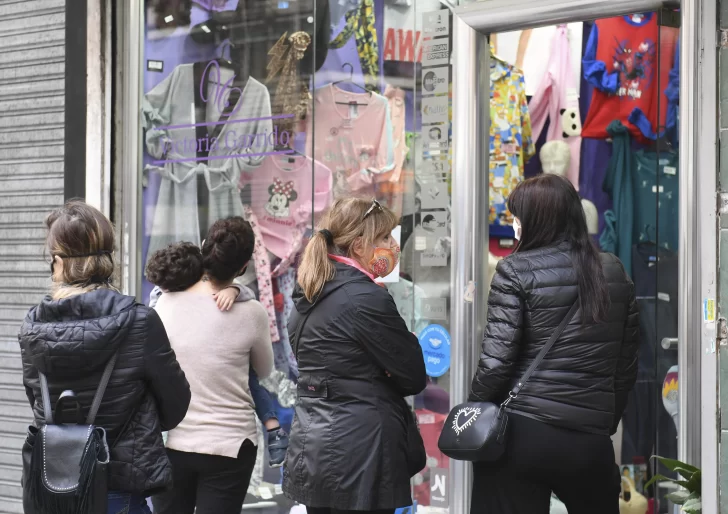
point(91, 254)
point(328, 236)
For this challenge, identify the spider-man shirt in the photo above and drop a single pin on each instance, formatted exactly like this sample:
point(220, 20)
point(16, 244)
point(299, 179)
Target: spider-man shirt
point(629, 60)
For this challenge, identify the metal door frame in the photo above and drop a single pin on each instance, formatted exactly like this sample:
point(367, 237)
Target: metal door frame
point(698, 230)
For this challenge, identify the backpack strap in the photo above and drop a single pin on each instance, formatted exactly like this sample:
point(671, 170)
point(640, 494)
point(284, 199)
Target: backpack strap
point(46, 395)
point(101, 390)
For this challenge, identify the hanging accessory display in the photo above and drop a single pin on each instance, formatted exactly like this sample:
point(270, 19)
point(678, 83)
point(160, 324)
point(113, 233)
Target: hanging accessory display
point(263, 271)
point(360, 24)
point(291, 95)
point(476, 431)
point(65, 465)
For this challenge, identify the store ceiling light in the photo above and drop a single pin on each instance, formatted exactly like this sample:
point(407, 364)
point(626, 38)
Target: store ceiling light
point(169, 19)
point(205, 29)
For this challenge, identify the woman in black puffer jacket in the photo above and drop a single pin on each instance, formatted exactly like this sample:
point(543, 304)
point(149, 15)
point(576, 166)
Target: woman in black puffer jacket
point(560, 423)
point(72, 334)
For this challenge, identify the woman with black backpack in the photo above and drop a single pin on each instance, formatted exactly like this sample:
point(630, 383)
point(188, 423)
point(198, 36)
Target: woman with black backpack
point(82, 335)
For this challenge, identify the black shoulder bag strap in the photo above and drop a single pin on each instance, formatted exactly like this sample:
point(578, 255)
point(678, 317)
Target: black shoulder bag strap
point(46, 395)
point(546, 347)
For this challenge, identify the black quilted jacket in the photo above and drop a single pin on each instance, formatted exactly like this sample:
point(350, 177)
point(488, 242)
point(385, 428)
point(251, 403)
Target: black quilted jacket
point(584, 380)
point(71, 340)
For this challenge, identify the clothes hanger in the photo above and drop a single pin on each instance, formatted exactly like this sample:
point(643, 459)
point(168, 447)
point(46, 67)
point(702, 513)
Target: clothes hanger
point(350, 80)
point(289, 151)
point(221, 60)
point(651, 242)
point(661, 145)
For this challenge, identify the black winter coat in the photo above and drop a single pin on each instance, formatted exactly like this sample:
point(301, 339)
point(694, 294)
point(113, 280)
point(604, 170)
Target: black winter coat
point(583, 381)
point(348, 442)
point(72, 339)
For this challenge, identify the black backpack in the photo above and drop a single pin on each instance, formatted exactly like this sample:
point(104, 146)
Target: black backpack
point(65, 466)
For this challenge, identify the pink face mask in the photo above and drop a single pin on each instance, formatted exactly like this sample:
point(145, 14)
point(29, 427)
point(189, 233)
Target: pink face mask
point(384, 261)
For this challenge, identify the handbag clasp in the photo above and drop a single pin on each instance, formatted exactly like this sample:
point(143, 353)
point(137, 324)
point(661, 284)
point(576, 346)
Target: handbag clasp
point(511, 396)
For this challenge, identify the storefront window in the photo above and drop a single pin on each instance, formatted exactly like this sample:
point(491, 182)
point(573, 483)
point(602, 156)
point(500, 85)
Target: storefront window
point(274, 109)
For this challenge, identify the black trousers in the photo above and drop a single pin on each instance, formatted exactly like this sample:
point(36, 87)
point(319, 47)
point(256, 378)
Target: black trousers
point(210, 483)
point(540, 458)
point(326, 510)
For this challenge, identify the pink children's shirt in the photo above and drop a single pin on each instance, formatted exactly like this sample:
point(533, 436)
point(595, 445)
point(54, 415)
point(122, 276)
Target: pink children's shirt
point(283, 197)
point(558, 93)
point(354, 141)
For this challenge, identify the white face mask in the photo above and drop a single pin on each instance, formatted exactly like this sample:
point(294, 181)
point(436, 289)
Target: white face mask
point(517, 228)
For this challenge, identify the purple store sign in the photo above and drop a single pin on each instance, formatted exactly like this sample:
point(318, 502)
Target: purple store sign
point(234, 144)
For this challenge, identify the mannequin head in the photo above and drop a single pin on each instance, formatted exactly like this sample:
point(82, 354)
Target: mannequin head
point(555, 158)
point(592, 216)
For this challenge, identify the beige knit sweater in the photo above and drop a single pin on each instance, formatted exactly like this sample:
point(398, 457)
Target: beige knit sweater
point(215, 350)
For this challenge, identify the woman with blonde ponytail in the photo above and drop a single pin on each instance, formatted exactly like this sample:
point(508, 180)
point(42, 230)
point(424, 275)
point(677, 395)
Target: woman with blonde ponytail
point(354, 445)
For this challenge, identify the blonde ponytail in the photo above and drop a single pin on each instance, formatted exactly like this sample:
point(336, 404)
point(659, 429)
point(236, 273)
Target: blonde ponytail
point(346, 221)
point(316, 268)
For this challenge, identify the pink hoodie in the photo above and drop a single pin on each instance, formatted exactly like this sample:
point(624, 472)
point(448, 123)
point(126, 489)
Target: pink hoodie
point(556, 93)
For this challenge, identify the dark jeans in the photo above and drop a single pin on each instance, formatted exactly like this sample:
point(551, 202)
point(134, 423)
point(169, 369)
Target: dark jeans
point(540, 458)
point(210, 483)
point(264, 407)
point(127, 503)
point(326, 510)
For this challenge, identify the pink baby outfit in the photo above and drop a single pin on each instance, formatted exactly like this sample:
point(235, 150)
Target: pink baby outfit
point(558, 93)
point(285, 191)
point(263, 272)
point(354, 141)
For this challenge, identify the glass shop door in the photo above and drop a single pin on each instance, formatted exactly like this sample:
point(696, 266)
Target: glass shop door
point(614, 84)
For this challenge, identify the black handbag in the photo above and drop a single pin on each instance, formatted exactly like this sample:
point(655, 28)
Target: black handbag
point(476, 431)
point(65, 466)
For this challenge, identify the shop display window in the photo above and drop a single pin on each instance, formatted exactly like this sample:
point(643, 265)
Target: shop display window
point(272, 109)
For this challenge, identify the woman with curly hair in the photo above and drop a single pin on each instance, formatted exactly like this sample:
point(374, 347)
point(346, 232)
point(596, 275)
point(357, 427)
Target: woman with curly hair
point(213, 449)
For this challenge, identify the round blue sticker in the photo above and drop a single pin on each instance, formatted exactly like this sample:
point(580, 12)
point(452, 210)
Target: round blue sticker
point(435, 343)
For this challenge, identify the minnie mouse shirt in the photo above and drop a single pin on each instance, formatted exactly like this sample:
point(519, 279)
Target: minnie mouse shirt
point(285, 191)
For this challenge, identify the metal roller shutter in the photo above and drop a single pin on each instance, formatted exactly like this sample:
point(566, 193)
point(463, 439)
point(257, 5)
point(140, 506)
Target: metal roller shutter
point(32, 65)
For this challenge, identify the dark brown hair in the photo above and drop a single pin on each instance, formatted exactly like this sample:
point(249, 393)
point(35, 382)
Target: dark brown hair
point(227, 248)
point(175, 268)
point(550, 211)
point(225, 251)
point(84, 238)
